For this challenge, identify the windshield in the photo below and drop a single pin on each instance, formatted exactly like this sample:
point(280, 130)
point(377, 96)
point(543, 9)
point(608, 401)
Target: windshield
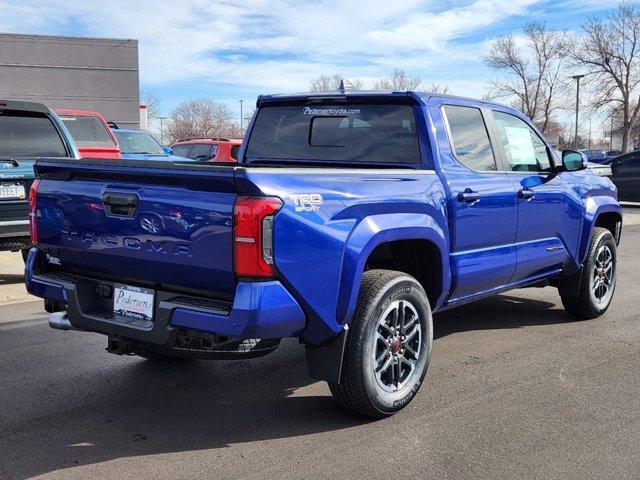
point(364, 133)
point(88, 131)
point(138, 142)
point(25, 134)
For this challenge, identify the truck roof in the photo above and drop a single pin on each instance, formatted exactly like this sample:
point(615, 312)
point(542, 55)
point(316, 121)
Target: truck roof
point(24, 106)
point(420, 98)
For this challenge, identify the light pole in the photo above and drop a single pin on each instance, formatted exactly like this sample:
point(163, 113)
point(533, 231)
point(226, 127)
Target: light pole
point(241, 118)
point(161, 132)
point(577, 79)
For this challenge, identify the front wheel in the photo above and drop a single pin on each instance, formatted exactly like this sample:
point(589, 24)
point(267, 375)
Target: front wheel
point(598, 280)
point(388, 345)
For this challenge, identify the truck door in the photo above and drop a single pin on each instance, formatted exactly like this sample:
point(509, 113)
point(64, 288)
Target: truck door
point(626, 176)
point(549, 209)
point(482, 203)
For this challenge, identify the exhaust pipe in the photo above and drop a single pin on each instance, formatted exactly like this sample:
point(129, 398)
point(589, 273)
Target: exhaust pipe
point(60, 321)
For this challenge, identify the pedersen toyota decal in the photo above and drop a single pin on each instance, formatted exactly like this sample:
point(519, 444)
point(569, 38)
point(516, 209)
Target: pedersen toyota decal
point(330, 111)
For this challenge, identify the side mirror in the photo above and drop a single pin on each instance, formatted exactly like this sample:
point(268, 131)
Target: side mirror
point(168, 150)
point(573, 161)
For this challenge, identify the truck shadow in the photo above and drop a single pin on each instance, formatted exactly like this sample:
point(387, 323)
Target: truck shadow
point(10, 278)
point(132, 407)
point(501, 311)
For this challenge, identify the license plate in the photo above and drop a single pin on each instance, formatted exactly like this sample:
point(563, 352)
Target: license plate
point(133, 301)
point(12, 191)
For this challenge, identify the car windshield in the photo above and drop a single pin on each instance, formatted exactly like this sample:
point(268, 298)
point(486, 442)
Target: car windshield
point(138, 142)
point(24, 134)
point(88, 131)
point(372, 133)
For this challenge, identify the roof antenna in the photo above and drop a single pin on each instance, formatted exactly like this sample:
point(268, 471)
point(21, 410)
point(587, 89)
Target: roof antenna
point(345, 85)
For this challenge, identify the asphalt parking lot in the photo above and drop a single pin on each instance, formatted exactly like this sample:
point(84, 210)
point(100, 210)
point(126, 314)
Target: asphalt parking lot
point(515, 390)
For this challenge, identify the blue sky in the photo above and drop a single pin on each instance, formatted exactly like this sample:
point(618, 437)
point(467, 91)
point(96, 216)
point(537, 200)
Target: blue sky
point(231, 50)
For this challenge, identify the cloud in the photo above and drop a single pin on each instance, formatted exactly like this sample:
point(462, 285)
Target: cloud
point(277, 45)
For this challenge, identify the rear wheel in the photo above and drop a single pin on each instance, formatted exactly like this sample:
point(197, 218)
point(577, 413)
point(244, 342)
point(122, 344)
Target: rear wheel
point(598, 280)
point(388, 347)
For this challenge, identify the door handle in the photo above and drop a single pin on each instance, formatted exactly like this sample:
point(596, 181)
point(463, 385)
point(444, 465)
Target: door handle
point(120, 205)
point(468, 196)
point(526, 194)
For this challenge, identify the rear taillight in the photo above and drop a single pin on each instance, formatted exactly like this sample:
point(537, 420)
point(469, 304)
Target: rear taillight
point(253, 235)
point(33, 212)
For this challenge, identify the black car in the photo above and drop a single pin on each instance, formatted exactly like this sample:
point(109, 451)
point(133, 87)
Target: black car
point(626, 176)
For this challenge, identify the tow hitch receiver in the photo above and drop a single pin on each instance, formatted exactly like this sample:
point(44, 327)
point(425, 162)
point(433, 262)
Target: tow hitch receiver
point(120, 345)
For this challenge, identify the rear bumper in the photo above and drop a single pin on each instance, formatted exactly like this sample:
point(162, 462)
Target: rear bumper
point(14, 228)
point(259, 310)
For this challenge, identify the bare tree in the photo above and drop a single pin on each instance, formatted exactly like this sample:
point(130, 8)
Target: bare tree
point(328, 83)
point(152, 101)
point(201, 119)
point(608, 48)
point(534, 78)
point(438, 88)
point(398, 80)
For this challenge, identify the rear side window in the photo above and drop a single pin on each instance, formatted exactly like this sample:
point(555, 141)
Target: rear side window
point(181, 150)
point(26, 134)
point(202, 152)
point(469, 138)
point(88, 131)
point(234, 152)
point(367, 133)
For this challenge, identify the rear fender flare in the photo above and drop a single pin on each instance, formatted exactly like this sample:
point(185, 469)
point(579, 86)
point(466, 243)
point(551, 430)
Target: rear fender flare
point(375, 230)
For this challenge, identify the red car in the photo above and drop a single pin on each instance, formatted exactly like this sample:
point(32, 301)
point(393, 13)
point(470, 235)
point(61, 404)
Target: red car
point(208, 149)
point(91, 133)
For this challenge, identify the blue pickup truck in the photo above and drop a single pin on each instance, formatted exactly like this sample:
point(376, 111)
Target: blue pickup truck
point(350, 219)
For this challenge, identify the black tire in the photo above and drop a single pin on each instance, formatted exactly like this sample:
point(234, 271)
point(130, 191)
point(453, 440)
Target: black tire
point(360, 388)
point(586, 305)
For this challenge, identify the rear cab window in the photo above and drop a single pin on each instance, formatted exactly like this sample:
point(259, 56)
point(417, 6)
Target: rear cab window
point(88, 131)
point(355, 133)
point(29, 134)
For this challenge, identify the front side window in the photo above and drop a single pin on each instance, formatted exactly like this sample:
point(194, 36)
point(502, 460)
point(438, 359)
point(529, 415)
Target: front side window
point(525, 150)
point(368, 133)
point(26, 134)
point(469, 138)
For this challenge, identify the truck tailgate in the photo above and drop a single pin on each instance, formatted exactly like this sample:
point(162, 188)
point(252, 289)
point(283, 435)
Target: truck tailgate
point(139, 222)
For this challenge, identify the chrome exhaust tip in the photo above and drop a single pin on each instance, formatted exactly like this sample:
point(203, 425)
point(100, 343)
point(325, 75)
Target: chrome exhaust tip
point(60, 321)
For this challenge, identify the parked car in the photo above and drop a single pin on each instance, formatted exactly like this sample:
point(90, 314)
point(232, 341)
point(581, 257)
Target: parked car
point(139, 145)
point(595, 155)
point(220, 150)
point(626, 176)
point(91, 133)
point(27, 131)
point(351, 218)
point(600, 169)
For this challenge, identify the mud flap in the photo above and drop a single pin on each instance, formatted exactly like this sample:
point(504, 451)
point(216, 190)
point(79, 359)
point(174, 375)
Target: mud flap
point(570, 286)
point(325, 362)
